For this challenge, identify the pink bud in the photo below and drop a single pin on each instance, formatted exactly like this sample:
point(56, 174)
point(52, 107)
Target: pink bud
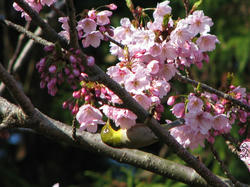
point(102, 29)
point(71, 106)
point(67, 71)
point(72, 59)
point(65, 104)
point(75, 109)
point(243, 116)
point(49, 48)
point(42, 84)
point(76, 94)
point(206, 57)
point(52, 68)
point(87, 98)
point(90, 60)
point(76, 72)
point(83, 91)
point(171, 100)
point(210, 139)
point(112, 6)
point(84, 75)
point(97, 92)
point(92, 14)
point(242, 131)
point(159, 108)
point(232, 87)
point(78, 51)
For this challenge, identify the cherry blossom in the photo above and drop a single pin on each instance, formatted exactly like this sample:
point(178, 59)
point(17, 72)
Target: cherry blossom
point(88, 117)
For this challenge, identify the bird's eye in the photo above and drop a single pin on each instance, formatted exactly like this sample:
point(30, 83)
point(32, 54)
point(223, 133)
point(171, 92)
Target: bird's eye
point(106, 130)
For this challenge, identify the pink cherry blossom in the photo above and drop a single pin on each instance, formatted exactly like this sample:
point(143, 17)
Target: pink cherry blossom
point(65, 26)
point(87, 25)
point(117, 73)
point(33, 4)
point(143, 100)
point(103, 17)
point(122, 117)
point(88, 117)
point(206, 42)
point(136, 82)
point(221, 123)
point(47, 2)
point(160, 87)
point(167, 71)
point(153, 66)
point(168, 51)
point(155, 50)
point(162, 9)
point(199, 121)
point(156, 25)
point(199, 23)
point(178, 110)
point(92, 14)
point(181, 33)
point(94, 39)
point(187, 137)
point(194, 104)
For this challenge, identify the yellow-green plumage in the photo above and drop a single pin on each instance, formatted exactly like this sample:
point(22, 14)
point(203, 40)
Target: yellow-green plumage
point(135, 137)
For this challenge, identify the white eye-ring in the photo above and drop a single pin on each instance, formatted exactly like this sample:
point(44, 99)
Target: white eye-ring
point(106, 130)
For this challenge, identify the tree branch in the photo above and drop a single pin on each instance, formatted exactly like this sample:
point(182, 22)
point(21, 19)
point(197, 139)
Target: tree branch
point(13, 117)
point(29, 34)
point(135, 107)
point(212, 90)
point(72, 24)
point(50, 32)
point(16, 92)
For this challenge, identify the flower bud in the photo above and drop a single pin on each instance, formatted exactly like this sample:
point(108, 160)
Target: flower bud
point(171, 100)
point(52, 68)
point(49, 48)
point(90, 60)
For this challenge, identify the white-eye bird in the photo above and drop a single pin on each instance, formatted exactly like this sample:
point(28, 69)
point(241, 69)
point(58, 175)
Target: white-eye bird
point(137, 136)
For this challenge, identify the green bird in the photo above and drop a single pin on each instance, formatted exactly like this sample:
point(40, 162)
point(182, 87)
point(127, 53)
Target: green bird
point(137, 136)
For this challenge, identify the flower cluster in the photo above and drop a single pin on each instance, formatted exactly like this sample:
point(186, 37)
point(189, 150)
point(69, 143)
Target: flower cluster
point(55, 67)
point(152, 54)
point(35, 5)
point(206, 116)
point(91, 27)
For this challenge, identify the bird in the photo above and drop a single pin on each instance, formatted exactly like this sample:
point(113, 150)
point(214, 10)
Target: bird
point(138, 136)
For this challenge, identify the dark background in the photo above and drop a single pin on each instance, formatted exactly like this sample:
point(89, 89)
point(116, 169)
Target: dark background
point(28, 159)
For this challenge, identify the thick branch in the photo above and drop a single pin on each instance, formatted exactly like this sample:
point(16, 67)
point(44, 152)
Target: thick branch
point(17, 93)
point(13, 117)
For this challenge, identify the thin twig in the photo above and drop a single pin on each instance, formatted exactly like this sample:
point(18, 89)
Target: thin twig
point(223, 166)
point(212, 90)
point(29, 34)
point(26, 50)
point(72, 24)
point(114, 41)
point(18, 48)
point(53, 36)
